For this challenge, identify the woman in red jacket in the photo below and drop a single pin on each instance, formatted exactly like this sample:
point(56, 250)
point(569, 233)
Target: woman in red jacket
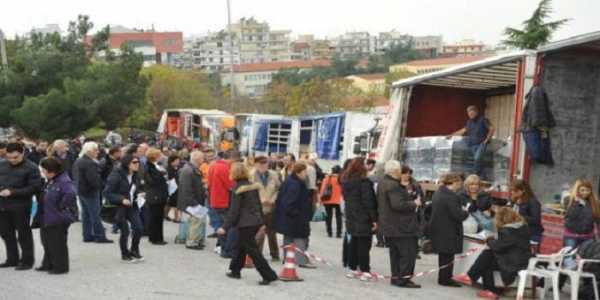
point(331, 198)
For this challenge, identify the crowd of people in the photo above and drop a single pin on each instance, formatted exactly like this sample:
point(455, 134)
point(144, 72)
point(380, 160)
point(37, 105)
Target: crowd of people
point(249, 200)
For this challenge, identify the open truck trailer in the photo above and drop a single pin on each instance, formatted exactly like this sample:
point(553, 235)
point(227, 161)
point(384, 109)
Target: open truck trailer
point(435, 104)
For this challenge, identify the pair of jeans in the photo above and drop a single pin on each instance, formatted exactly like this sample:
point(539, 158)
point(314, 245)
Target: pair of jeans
point(131, 216)
point(216, 220)
point(331, 209)
point(12, 222)
point(573, 242)
point(246, 242)
point(478, 152)
point(484, 268)
point(93, 230)
point(221, 213)
point(56, 252)
point(229, 248)
point(359, 256)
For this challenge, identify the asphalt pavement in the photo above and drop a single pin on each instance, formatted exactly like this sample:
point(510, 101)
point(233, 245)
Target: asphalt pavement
point(174, 272)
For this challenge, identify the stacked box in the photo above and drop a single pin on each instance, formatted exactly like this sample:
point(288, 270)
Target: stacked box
point(419, 156)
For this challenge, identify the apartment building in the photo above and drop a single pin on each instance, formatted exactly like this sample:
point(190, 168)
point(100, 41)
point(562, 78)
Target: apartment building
point(429, 46)
point(464, 48)
point(213, 52)
point(355, 44)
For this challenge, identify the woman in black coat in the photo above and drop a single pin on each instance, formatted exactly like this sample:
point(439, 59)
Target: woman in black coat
point(529, 208)
point(157, 192)
point(509, 254)
point(173, 165)
point(361, 217)
point(293, 212)
point(245, 214)
point(446, 228)
point(121, 190)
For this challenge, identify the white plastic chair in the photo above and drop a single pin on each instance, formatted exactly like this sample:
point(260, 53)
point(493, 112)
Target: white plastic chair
point(549, 273)
point(576, 275)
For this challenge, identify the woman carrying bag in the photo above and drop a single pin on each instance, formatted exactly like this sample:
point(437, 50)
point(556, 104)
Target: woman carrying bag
point(331, 199)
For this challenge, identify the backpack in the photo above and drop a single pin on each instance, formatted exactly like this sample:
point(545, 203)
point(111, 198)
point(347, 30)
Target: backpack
point(328, 191)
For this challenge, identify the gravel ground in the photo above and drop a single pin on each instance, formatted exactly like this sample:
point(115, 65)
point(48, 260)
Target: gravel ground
point(173, 272)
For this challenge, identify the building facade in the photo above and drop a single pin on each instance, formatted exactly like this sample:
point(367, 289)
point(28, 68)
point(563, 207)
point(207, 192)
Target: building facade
point(355, 45)
point(464, 48)
point(429, 46)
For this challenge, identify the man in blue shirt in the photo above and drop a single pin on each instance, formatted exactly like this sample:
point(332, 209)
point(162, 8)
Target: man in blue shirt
point(478, 132)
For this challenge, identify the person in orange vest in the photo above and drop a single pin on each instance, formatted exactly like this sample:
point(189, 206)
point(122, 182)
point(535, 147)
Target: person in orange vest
point(331, 198)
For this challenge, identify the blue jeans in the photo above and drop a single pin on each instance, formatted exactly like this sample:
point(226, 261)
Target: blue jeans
point(231, 246)
point(478, 153)
point(93, 229)
point(216, 221)
point(132, 216)
point(572, 242)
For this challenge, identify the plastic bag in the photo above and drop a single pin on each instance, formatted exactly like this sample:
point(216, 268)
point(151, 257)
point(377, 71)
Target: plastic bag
point(320, 214)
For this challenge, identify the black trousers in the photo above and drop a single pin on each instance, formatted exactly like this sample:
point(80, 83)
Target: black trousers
point(13, 222)
point(247, 246)
point(403, 257)
point(445, 274)
point(155, 222)
point(484, 268)
point(56, 252)
point(331, 209)
point(359, 253)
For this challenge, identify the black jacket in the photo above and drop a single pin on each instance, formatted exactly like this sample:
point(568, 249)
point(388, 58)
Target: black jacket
point(446, 227)
point(191, 190)
point(361, 206)
point(579, 218)
point(397, 209)
point(118, 187)
point(107, 165)
point(482, 203)
point(293, 208)
point(537, 113)
point(157, 189)
point(531, 211)
point(23, 181)
point(512, 250)
point(87, 176)
point(36, 156)
point(245, 209)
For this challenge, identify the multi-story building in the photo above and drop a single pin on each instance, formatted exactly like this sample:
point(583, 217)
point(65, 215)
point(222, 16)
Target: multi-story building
point(301, 51)
point(355, 45)
point(258, 43)
point(279, 45)
point(387, 40)
point(464, 48)
point(428, 46)
point(157, 47)
point(213, 52)
point(252, 80)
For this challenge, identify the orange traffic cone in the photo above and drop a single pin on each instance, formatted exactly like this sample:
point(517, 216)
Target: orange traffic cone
point(289, 268)
point(249, 264)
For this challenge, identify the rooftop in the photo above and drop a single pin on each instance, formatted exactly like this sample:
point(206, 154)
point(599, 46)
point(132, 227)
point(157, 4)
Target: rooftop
point(446, 61)
point(275, 66)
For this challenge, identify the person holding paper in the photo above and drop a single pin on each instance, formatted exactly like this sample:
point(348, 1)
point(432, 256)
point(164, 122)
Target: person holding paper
point(173, 166)
point(157, 191)
point(121, 190)
point(246, 214)
point(192, 194)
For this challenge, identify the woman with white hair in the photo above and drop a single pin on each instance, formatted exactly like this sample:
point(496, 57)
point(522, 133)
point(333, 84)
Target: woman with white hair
point(89, 185)
point(399, 224)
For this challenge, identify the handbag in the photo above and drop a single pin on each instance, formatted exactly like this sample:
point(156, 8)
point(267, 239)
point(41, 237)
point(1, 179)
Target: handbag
point(320, 214)
point(328, 191)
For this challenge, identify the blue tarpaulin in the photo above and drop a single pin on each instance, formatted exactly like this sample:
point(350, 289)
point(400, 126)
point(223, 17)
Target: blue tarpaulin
point(260, 142)
point(328, 137)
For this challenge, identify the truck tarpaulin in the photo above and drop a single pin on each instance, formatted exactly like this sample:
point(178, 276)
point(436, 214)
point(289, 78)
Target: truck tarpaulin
point(328, 138)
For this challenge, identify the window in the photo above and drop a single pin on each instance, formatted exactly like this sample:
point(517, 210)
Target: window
point(170, 42)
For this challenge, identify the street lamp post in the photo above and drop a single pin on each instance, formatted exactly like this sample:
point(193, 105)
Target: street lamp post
point(231, 56)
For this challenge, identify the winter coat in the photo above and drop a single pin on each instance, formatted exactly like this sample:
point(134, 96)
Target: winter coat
point(23, 181)
point(397, 210)
point(579, 218)
point(245, 209)
point(537, 113)
point(293, 208)
point(191, 190)
point(219, 184)
point(67, 162)
point(157, 189)
point(446, 227)
point(172, 173)
point(531, 211)
point(336, 190)
point(118, 187)
point(59, 204)
point(87, 176)
point(512, 250)
point(482, 203)
point(268, 192)
point(360, 206)
point(107, 165)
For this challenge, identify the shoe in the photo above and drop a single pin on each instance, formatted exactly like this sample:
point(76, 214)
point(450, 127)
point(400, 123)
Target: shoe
point(329, 235)
point(217, 250)
point(126, 258)
point(23, 267)
point(487, 295)
point(233, 275)
point(161, 243)
point(275, 259)
point(115, 231)
point(418, 256)
point(55, 272)
point(136, 256)
point(339, 235)
point(8, 265)
point(267, 281)
point(104, 241)
point(464, 279)
point(213, 235)
point(197, 247)
point(366, 276)
point(88, 241)
point(308, 266)
point(408, 284)
point(354, 274)
point(43, 269)
point(379, 245)
point(450, 283)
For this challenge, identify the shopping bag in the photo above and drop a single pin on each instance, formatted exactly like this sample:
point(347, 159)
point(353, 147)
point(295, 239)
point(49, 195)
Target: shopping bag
point(320, 214)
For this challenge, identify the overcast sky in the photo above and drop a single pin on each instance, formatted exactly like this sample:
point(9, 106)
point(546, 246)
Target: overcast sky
point(482, 20)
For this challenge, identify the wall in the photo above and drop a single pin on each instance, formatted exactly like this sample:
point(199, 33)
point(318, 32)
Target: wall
point(500, 110)
point(440, 110)
point(572, 83)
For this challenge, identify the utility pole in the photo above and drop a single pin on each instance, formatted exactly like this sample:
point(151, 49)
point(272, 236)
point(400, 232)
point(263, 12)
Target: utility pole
point(231, 57)
point(3, 58)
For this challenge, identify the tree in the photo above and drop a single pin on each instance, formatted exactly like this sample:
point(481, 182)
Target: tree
point(536, 30)
point(398, 53)
point(390, 78)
